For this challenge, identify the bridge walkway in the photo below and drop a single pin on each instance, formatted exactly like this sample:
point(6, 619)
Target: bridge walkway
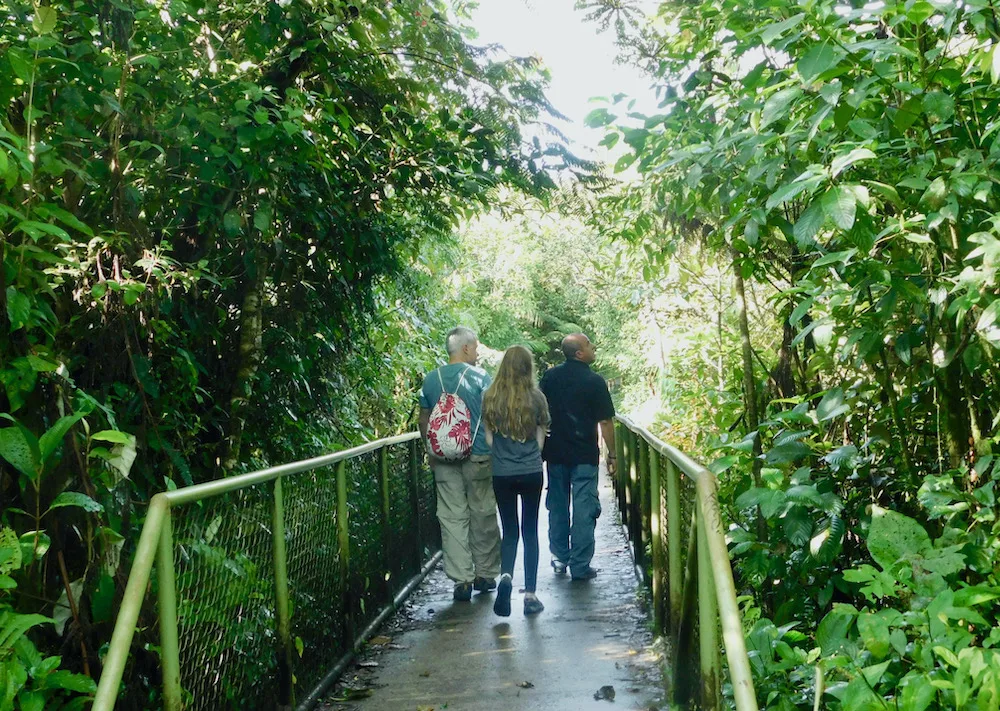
point(592, 637)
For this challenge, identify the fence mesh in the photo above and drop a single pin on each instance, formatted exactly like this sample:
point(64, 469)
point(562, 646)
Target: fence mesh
point(314, 588)
point(224, 567)
point(225, 599)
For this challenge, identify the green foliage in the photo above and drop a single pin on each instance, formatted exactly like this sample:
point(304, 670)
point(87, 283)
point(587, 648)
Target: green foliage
point(30, 680)
point(838, 157)
point(211, 219)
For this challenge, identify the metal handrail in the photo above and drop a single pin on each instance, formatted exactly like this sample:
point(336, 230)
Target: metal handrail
point(708, 564)
point(156, 545)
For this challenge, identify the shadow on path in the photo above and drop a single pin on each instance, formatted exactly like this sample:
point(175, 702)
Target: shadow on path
point(438, 654)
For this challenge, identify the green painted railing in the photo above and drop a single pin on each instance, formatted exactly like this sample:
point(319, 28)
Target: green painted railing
point(692, 581)
point(264, 581)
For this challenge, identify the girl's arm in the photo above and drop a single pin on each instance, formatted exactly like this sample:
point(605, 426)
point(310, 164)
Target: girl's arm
point(489, 435)
point(540, 433)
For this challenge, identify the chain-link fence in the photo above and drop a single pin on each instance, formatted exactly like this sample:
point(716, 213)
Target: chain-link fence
point(264, 580)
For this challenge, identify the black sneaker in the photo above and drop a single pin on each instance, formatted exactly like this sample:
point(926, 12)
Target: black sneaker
point(532, 606)
point(463, 592)
point(587, 573)
point(502, 604)
point(484, 584)
point(559, 567)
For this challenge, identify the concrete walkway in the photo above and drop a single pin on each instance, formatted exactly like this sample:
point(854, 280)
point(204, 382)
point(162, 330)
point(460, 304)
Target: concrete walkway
point(591, 638)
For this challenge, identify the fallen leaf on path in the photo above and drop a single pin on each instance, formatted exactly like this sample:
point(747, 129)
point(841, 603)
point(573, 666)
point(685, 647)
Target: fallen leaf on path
point(605, 693)
point(348, 694)
point(526, 685)
point(379, 640)
point(425, 674)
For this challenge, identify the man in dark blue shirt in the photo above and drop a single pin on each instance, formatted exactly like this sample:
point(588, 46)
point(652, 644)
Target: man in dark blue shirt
point(579, 403)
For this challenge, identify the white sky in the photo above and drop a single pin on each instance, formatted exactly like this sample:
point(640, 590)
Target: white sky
point(581, 60)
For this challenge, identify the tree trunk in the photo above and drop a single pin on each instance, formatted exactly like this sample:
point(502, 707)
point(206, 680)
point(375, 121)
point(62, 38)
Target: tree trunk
point(749, 383)
point(955, 411)
point(250, 357)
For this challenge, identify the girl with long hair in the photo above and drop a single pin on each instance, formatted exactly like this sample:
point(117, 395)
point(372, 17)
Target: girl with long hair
point(516, 418)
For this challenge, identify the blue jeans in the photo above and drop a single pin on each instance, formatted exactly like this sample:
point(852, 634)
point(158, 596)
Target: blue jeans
point(572, 485)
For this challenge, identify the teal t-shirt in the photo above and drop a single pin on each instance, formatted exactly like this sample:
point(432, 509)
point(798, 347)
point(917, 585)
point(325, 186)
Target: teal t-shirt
point(473, 386)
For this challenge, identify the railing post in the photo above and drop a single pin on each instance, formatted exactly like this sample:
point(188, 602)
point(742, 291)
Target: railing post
point(740, 673)
point(635, 503)
point(708, 616)
point(621, 469)
point(344, 544)
point(383, 475)
point(641, 519)
point(683, 661)
point(623, 476)
point(656, 538)
point(167, 600)
point(415, 504)
point(286, 694)
point(674, 563)
point(135, 593)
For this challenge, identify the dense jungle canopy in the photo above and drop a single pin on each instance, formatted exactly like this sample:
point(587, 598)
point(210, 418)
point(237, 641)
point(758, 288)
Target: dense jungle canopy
point(232, 236)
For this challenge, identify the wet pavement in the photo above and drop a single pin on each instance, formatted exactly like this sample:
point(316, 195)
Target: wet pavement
point(589, 649)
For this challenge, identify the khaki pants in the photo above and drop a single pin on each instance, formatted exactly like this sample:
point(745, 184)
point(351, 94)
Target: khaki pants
point(467, 510)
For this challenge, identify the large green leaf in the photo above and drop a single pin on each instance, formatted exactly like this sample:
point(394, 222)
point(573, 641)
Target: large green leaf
point(777, 105)
point(832, 632)
point(20, 448)
point(774, 30)
point(846, 160)
point(18, 308)
point(77, 499)
point(45, 19)
point(894, 536)
point(917, 691)
point(840, 206)
point(787, 192)
point(832, 405)
point(798, 525)
point(818, 60)
point(809, 224)
point(53, 437)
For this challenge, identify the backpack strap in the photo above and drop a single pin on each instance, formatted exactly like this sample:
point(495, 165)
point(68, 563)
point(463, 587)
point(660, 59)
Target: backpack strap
point(461, 381)
point(476, 433)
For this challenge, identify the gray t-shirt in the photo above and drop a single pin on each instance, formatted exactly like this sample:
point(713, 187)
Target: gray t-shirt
point(510, 457)
point(473, 386)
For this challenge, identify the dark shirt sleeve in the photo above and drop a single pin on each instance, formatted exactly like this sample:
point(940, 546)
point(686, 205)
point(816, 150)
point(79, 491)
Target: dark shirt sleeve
point(542, 406)
point(604, 408)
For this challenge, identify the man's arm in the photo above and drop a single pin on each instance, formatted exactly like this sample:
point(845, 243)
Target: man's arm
point(425, 418)
point(608, 432)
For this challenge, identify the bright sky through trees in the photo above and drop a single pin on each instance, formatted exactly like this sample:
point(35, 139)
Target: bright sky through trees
point(581, 59)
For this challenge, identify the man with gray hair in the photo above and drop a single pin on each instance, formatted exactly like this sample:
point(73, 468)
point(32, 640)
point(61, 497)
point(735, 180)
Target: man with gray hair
point(466, 504)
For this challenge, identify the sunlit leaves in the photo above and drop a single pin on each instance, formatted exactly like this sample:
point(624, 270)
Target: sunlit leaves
point(45, 19)
point(774, 30)
point(840, 205)
point(809, 223)
point(845, 161)
point(776, 106)
point(818, 60)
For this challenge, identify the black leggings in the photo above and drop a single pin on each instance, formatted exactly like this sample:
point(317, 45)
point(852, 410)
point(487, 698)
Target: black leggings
point(507, 489)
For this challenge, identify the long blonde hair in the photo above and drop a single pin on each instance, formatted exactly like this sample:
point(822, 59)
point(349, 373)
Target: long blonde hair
point(510, 405)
